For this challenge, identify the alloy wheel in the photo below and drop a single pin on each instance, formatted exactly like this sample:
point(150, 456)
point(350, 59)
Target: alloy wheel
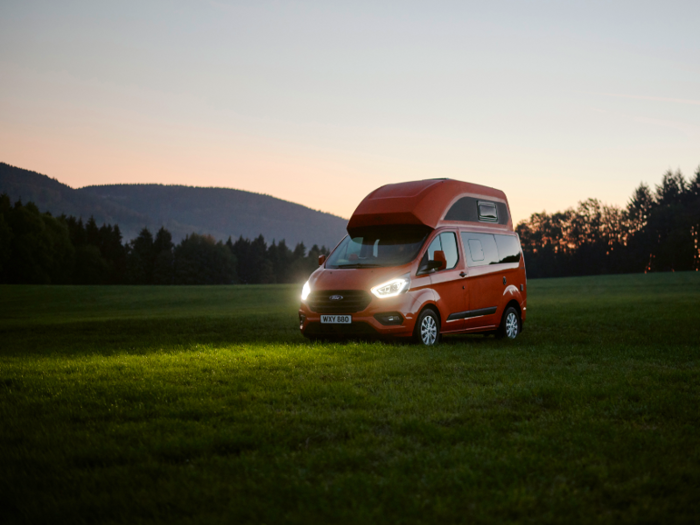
point(428, 330)
point(512, 325)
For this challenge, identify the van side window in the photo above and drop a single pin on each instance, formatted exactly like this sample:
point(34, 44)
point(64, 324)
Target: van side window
point(508, 248)
point(476, 250)
point(434, 247)
point(449, 246)
point(446, 242)
point(429, 255)
point(470, 209)
point(465, 209)
point(480, 248)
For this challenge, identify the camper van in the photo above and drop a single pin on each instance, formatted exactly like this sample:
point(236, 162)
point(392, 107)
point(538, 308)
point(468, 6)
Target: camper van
point(421, 259)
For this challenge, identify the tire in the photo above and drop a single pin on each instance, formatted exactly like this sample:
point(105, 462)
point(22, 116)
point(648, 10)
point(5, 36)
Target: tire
point(510, 324)
point(427, 330)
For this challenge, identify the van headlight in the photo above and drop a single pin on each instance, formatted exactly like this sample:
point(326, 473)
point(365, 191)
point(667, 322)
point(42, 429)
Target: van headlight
point(305, 291)
point(392, 288)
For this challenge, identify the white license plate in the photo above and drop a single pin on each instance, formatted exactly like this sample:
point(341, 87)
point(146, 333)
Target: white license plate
point(336, 319)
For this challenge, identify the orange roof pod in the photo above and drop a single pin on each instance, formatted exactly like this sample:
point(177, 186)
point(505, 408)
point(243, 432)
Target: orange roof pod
point(432, 203)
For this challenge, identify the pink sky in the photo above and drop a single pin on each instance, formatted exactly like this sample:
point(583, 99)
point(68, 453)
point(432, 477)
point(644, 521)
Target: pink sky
point(321, 103)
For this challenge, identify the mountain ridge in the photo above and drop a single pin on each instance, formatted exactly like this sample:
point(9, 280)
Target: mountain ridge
point(182, 209)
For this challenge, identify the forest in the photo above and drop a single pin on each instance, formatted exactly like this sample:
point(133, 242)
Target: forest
point(37, 248)
point(658, 230)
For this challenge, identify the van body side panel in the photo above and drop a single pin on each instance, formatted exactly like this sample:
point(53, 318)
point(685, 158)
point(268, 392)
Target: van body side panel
point(447, 283)
point(482, 292)
point(489, 277)
point(450, 298)
point(483, 297)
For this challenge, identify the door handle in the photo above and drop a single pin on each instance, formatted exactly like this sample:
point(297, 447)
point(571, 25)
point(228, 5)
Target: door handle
point(462, 274)
point(504, 281)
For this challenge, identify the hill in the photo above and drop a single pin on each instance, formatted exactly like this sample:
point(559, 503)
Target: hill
point(221, 212)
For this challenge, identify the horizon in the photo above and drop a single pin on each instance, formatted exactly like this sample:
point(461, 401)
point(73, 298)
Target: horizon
point(652, 187)
point(319, 104)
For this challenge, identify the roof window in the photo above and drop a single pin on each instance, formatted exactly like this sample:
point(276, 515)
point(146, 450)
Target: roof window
point(488, 212)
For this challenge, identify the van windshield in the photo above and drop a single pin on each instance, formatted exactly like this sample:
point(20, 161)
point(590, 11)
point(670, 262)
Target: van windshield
point(378, 248)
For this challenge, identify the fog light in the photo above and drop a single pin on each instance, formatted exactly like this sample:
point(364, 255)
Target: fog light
point(389, 318)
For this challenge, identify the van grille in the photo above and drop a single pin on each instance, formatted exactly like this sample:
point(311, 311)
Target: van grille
point(343, 302)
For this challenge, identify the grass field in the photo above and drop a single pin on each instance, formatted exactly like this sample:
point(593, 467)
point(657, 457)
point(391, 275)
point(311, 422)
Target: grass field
point(205, 405)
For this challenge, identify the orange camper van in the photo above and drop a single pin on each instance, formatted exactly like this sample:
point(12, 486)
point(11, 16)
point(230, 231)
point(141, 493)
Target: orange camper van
point(421, 259)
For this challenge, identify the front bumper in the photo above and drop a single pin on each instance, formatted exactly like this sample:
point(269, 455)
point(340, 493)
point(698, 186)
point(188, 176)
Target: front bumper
point(379, 318)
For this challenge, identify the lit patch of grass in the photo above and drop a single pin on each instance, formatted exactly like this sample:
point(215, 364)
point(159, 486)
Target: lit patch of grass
point(204, 404)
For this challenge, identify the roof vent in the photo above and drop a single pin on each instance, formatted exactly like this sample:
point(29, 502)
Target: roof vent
point(488, 212)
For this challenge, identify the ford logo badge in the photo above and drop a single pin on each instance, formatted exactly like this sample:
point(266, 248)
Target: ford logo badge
point(336, 297)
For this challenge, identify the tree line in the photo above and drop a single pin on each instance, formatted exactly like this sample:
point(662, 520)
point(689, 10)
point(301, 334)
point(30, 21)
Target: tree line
point(658, 231)
point(37, 248)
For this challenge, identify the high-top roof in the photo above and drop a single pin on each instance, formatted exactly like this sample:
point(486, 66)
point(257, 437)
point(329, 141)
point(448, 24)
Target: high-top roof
point(424, 202)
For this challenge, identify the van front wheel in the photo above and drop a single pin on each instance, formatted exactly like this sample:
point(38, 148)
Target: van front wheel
point(427, 330)
point(510, 324)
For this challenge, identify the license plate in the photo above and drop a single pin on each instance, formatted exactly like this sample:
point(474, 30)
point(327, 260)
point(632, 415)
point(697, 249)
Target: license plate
point(336, 319)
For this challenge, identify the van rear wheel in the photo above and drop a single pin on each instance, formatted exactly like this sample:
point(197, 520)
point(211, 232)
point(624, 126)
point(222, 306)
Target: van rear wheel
point(427, 330)
point(510, 324)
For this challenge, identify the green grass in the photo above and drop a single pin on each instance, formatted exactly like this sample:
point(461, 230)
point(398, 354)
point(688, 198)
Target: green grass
point(205, 405)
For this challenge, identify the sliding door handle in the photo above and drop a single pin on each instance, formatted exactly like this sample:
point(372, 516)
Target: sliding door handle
point(462, 274)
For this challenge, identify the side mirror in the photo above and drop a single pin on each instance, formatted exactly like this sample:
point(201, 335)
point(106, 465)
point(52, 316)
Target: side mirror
point(433, 265)
point(321, 259)
point(439, 261)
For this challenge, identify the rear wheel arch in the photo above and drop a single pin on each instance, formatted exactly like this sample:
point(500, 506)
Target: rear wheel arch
point(515, 304)
point(518, 306)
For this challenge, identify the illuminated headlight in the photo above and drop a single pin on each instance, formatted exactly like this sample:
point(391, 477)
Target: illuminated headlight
point(305, 291)
point(392, 288)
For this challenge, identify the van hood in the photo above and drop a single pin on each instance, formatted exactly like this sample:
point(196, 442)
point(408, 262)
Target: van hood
point(354, 278)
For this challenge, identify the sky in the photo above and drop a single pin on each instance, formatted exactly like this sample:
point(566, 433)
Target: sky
point(321, 102)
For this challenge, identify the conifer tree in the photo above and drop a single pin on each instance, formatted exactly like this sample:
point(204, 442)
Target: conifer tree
point(140, 259)
point(164, 263)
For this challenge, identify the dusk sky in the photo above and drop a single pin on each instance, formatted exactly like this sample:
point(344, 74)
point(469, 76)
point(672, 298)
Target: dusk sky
point(321, 102)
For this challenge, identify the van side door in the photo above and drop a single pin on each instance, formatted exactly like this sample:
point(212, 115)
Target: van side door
point(483, 287)
point(446, 283)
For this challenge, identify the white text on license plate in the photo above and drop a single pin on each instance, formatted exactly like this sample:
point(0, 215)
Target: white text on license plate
point(336, 319)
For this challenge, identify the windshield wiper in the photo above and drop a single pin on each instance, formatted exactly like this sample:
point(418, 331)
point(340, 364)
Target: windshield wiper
point(359, 265)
